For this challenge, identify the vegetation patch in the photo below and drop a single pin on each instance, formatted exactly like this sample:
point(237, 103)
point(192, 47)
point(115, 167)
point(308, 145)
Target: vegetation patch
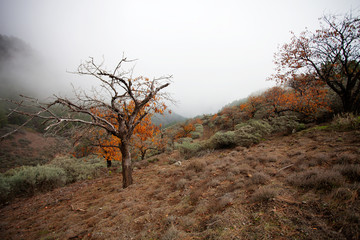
point(264, 194)
point(188, 149)
point(222, 140)
point(27, 180)
point(316, 179)
point(350, 171)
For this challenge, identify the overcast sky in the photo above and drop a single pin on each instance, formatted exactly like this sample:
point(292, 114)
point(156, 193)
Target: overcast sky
point(217, 51)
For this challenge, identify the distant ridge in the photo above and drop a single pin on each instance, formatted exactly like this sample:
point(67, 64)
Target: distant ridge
point(167, 119)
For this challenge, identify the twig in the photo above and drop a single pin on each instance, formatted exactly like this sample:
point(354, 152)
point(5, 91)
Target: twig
point(77, 209)
point(284, 168)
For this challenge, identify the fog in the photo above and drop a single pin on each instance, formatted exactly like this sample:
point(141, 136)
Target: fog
point(217, 51)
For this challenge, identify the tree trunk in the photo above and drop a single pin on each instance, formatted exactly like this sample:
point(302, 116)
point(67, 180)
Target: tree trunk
point(143, 153)
point(347, 104)
point(126, 164)
point(108, 163)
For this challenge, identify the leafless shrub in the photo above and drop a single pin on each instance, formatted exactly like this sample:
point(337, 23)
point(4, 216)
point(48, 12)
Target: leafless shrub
point(225, 200)
point(342, 194)
point(215, 222)
point(317, 179)
point(241, 169)
point(220, 203)
point(195, 195)
point(230, 177)
point(213, 183)
point(350, 171)
point(141, 164)
point(169, 220)
point(239, 183)
point(267, 158)
point(196, 165)
point(260, 178)
point(346, 121)
point(171, 234)
point(264, 194)
point(190, 174)
point(188, 222)
point(181, 184)
point(318, 159)
point(347, 158)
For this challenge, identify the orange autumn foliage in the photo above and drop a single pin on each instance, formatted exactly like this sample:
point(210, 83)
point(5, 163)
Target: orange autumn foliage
point(185, 131)
point(252, 105)
point(144, 133)
point(303, 98)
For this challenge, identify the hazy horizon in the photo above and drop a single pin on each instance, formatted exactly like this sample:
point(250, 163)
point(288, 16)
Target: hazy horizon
point(216, 51)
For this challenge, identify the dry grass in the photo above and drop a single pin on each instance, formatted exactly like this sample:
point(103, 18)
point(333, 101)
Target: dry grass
point(264, 194)
point(259, 178)
point(196, 165)
point(347, 158)
point(316, 179)
point(225, 195)
point(350, 171)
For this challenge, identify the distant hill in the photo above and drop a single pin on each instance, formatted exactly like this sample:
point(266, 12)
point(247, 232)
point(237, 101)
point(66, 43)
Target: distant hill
point(167, 119)
point(19, 66)
point(235, 103)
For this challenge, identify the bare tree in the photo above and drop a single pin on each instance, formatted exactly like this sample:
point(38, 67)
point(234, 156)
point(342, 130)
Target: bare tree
point(331, 55)
point(117, 106)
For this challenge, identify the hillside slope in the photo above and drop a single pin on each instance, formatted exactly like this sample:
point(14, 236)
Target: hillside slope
point(302, 186)
point(28, 147)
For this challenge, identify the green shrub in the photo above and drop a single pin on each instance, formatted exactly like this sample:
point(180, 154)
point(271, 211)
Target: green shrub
point(196, 135)
point(199, 128)
point(260, 127)
point(4, 188)
point(222, 140)
point(26, 180)
point(79, 169)
point(199, 131)
point(188, 149)
point(251, 132)
point(246, 136)
point(286, 124)
point(183, 140)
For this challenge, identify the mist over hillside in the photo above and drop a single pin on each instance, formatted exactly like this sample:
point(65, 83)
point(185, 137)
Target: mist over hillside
point(167, 119)
point(18, 65)
point(23, 70)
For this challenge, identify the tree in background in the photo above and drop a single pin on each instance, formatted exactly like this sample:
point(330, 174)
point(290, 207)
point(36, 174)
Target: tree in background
point(117, 107)
point(232, 116)
point(185, 130)
point(252, 105)
point(330, 55)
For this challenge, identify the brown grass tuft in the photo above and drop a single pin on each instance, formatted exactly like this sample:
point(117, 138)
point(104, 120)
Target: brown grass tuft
point(350, 171)
point(196, 165)
point(317, 179)
point(259, 178)
point(264, 194)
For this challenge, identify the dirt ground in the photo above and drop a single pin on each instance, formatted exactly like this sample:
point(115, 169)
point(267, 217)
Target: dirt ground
point(241, 193)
